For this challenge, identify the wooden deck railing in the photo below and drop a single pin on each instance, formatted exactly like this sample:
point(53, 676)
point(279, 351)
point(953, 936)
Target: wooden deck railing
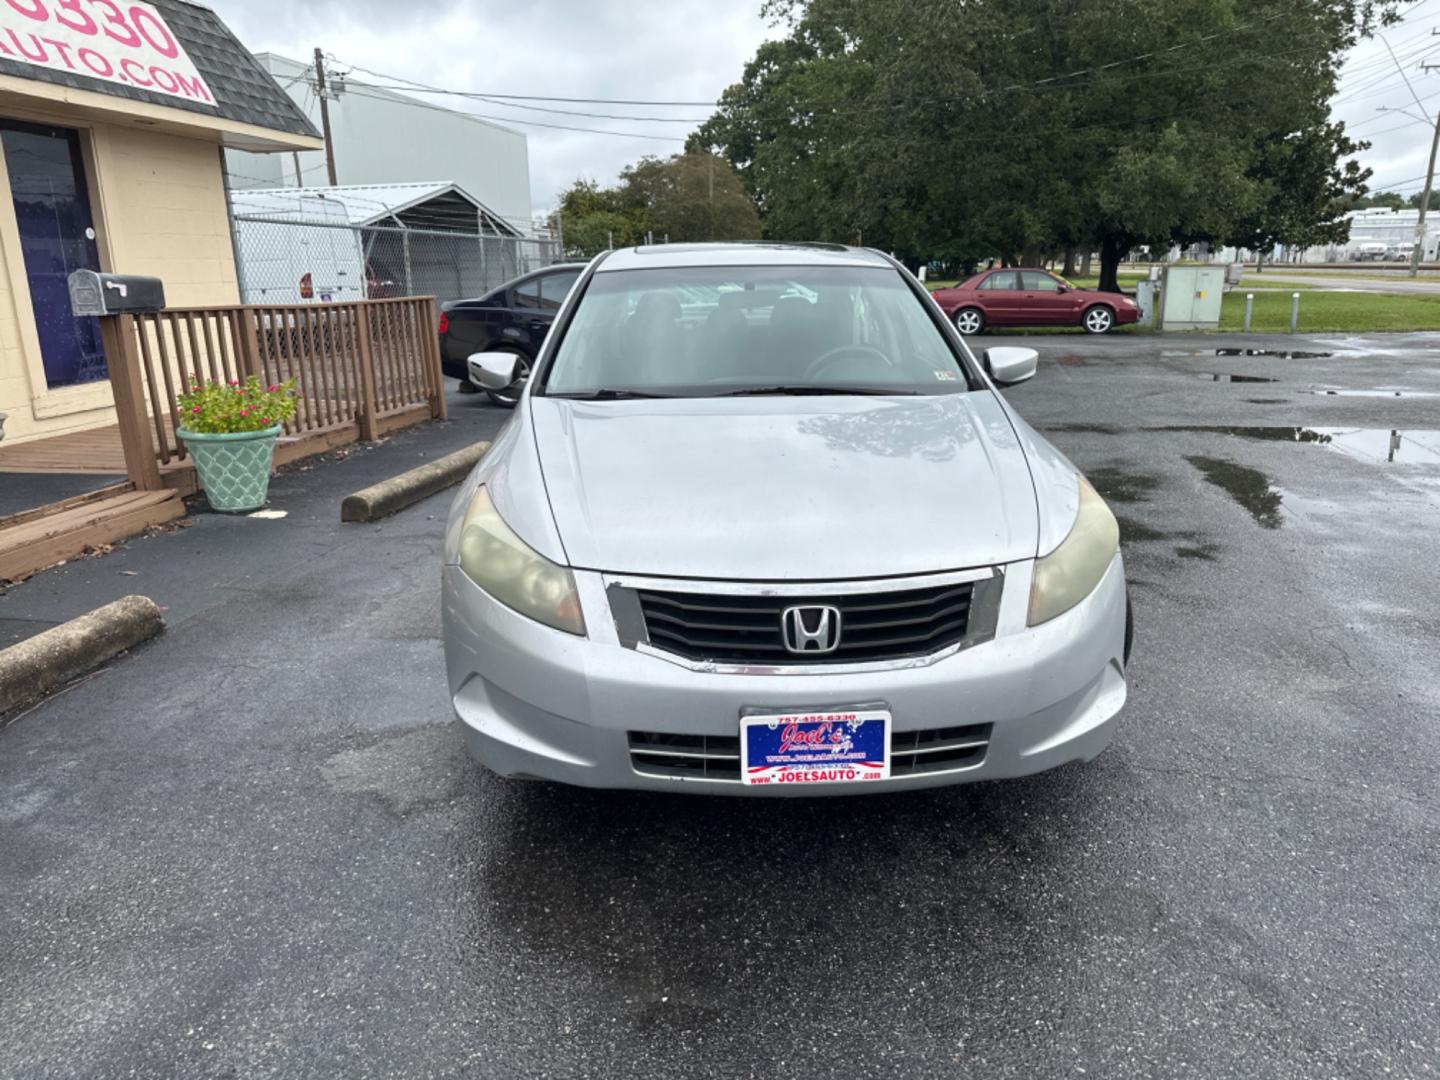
point(359, 368)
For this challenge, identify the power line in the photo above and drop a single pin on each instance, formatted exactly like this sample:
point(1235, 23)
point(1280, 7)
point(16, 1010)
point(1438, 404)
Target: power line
point(532, 108)
point(1379, 71)
point(353, 88)
point(1040, 84)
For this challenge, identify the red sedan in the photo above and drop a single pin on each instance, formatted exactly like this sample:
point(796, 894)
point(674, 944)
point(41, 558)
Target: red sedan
point(1032, 298)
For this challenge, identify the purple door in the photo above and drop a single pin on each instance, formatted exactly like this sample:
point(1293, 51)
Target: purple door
point(57, 235)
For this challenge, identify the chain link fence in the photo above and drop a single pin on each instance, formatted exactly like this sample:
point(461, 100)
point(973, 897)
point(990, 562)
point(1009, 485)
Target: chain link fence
point(284, 261)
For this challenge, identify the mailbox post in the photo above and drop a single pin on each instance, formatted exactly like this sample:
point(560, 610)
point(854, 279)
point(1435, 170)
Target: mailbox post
point(114, 299)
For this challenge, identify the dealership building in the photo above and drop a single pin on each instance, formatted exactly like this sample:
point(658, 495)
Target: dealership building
point(113, 124)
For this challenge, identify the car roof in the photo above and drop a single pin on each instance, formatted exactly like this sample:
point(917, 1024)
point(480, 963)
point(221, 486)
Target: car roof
point(664, 256)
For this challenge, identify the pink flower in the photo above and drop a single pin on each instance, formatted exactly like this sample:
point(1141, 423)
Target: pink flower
point(234, 383)
point(274, 388)
point(268, 421)
point(244, 412)
point(195, 409)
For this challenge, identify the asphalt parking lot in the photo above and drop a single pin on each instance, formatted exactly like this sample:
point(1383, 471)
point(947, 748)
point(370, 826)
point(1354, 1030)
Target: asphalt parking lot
point(255, 846)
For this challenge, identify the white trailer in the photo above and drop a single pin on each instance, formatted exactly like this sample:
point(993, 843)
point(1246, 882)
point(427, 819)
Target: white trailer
point(294, 248)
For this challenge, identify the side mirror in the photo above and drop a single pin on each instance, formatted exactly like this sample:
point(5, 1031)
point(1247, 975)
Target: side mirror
point(493, 370)
point(1062, 289)
point(1009, 365)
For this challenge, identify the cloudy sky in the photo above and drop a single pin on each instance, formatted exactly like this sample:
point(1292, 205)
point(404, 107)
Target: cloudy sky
point(690, 50)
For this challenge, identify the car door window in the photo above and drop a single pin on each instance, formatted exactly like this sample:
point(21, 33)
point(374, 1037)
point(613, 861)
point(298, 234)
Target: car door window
point(1003, 281)
point(554, 288)
point(1035, 282)
point(526, 295)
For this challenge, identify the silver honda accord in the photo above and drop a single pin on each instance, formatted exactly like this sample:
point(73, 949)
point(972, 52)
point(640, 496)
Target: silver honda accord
point(762, 524)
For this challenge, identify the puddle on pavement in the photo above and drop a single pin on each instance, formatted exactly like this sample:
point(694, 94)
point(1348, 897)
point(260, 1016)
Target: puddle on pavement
point(1091, 429)
point(1263, 434)
point(1117, 485)
point(1377, 393)
point(1072, 360)
point(1379, 444)
point(1248, 487)
point(1388, 445)
point(1278, 354)
point(1209, 376)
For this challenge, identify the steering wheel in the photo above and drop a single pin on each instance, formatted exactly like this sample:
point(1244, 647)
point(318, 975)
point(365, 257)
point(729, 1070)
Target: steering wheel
point(829, 356)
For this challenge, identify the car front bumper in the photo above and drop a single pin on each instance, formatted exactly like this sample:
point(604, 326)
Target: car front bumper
point(538, 703)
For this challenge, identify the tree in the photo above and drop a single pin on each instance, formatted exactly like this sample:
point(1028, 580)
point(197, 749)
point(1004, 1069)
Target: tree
point(1414, 201)
point(691, 197)
point(1009, 128)
point(594, 218)
point(1390, 200)
point(688, 197)
point(1305, 191)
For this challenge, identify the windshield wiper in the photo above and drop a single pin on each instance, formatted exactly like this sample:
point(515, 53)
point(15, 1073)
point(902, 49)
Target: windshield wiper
point(608, 394)
point(816, 391)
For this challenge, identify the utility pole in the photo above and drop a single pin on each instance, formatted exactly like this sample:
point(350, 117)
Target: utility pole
point(1419, 250)
point(320, 92)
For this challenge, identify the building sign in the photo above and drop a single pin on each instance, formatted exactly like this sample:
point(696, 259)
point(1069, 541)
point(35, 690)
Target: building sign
point(112, 40)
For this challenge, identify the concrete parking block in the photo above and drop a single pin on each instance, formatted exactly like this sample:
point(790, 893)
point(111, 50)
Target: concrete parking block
point(393, 495)
point(47, 661)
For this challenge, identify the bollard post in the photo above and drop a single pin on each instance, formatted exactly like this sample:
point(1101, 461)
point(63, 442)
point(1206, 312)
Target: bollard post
point(1294, 311)
point(1249, 309)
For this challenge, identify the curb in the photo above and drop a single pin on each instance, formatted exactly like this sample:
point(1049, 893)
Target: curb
point(49, 660)
point(393, 495)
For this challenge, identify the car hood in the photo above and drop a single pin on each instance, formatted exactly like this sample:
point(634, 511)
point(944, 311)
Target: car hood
point(786, 488)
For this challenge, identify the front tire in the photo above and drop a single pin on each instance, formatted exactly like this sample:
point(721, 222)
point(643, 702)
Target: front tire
point(969, 321)
point(1098, 319)
point(510, 396)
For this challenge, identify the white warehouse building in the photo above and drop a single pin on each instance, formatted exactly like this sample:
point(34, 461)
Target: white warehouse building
point(382, 137)
point(1377, 234)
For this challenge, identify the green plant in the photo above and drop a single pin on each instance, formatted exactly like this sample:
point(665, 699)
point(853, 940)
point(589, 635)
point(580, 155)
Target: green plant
point(214, 408)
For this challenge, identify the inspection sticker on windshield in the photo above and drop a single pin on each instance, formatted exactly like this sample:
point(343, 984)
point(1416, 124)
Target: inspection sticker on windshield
point(786, 750)
point(947, 376)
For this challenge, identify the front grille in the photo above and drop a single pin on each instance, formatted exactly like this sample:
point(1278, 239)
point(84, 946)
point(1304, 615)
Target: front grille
point(703, 757)
point(938, 750)
point(746, 629)
point(717, 757)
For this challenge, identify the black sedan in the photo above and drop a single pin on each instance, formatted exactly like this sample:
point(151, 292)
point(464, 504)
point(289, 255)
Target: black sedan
point(513, 318)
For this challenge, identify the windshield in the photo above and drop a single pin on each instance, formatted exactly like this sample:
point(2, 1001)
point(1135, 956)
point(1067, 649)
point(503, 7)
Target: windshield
point(710, 331)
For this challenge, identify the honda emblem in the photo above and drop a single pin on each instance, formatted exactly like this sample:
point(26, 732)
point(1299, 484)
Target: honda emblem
point(811, 630)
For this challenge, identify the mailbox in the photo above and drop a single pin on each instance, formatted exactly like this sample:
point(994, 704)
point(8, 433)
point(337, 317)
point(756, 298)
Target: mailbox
point(92, 293)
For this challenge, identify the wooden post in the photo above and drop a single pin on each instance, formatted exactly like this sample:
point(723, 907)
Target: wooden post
point(367, 417)
point(430, 357)
point(247, 342)
point(117, 334)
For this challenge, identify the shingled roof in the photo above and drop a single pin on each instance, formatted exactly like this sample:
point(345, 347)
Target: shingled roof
point(244, 91)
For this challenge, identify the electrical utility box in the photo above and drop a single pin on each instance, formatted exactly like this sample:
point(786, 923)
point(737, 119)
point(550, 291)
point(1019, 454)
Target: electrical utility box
point(1190, 297)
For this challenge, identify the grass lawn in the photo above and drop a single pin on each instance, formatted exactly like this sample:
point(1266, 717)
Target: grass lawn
point(1330, 312)
point(1395, 275)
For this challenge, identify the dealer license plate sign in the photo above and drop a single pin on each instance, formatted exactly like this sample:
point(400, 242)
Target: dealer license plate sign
point(807, 749)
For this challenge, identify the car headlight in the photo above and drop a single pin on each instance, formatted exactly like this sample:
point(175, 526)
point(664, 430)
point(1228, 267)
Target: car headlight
point(509, 570)
point(1070, 573)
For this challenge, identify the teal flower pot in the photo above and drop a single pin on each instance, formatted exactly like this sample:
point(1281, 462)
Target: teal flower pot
point(234, 469)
